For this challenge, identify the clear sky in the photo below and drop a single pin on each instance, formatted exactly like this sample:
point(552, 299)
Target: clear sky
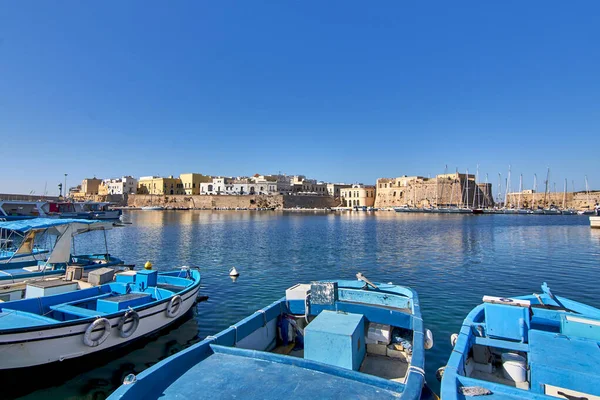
point(335, 90)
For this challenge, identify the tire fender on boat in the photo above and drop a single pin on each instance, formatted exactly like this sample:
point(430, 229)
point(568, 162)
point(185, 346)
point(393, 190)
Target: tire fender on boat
point(174, 306)
point(130, 314)
point(87, 337)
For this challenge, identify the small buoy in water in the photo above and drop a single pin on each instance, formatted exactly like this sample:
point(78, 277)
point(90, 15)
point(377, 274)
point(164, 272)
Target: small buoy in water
point(233, 272)
point(148, 265)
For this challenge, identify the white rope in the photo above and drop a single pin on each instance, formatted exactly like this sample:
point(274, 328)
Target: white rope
point(417, 370)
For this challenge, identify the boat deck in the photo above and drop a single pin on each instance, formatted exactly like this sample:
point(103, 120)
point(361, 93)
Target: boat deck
point(564, 361)
point(20, 319)
point(227, 376)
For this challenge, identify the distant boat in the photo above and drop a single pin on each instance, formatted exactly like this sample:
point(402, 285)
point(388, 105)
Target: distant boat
point(153, 208)
point(551, 211)
point(404, 208)
point(336, 339)
point(42, 330)
point(19, 210)
point(538, 346)
point(586, 212)
point(595, 221)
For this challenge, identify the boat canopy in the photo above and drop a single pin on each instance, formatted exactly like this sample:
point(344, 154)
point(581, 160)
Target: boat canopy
point(63, 229)
point(49, 223)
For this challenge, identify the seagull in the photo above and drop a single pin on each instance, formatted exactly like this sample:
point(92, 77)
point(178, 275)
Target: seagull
point(363, 278)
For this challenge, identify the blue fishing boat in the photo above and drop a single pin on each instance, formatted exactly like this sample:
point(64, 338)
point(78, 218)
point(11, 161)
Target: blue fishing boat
point(28, 260)
point(538, 346)
point(42, 330)
point(335, 339)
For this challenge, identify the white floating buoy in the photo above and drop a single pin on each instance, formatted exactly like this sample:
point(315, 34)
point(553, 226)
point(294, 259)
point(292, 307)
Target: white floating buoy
point(428, 343)
point(233, 272)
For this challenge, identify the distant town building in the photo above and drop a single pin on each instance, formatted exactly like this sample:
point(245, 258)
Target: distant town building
point(90, 186)
point(333, 189)
point(358, 195)
point(159, 185)
point(301, 185)
point(124, 185)
point(191, 182)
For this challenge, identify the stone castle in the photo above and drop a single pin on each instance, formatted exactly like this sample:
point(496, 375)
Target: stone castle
point(444, 190)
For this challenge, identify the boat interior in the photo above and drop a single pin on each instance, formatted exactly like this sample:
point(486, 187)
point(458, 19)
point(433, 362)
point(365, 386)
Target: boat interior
point(344, 335)
point(541, 344)
point(129, 289)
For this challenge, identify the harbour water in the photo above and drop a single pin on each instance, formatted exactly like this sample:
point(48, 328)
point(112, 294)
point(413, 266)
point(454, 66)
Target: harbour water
point(450, 260)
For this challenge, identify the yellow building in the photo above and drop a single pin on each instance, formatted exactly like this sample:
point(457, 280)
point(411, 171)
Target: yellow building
point(159, 185)
point(90, 186)
point(358, 196)
point(191, 182)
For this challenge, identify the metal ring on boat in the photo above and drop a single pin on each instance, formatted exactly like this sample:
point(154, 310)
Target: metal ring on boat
point(134, 323)
point(174, 306)
point(87, 337)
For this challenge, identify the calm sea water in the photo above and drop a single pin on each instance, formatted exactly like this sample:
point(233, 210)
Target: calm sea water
point(451, 260)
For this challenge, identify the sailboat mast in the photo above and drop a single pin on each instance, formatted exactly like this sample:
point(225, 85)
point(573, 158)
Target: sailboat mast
point(546, 189)
point(587, 191)
point(534, 190)
point(436, 189)
point(486, 194)
point(475, 191)
point(499, 187)
point(506, 188)
point(520, 191)
point(466, 197)
point(565, 195)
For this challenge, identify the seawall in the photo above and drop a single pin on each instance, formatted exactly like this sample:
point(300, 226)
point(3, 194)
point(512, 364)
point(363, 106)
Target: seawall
point(224, 201)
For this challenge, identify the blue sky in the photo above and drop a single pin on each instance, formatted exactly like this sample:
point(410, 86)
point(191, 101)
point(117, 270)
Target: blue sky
point(338, 90)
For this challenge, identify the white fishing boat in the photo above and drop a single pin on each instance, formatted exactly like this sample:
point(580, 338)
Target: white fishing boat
point(42, 330)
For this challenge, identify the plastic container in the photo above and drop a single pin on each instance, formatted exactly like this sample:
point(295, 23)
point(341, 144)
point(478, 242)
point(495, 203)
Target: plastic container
point(379, 333)
point(515, 367)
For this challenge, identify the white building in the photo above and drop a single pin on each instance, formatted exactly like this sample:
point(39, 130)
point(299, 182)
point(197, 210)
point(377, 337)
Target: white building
point(124, 185)
point(333, 189)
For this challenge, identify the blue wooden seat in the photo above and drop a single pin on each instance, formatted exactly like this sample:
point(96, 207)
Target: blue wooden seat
point(77, 311)
point(71, 307)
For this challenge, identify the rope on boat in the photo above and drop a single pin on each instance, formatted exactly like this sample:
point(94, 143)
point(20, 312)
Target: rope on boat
point(211, 338)
point(417, 370)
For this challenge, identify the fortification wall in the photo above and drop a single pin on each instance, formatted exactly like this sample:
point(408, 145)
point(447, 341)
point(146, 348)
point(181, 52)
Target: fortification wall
point(577, 200)
point(225, 201)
